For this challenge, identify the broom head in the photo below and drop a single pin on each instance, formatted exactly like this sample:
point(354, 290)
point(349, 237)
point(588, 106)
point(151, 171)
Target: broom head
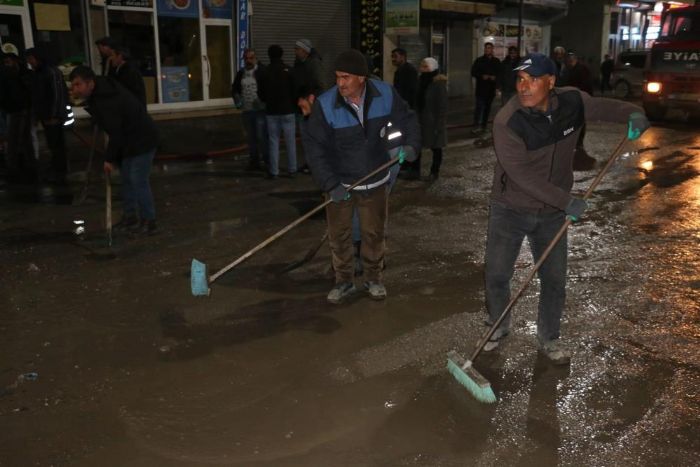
point(471, 379)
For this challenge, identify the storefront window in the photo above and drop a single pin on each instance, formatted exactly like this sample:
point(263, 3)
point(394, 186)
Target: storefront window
point(134, 29)
point(180, 59)
point(59, 30)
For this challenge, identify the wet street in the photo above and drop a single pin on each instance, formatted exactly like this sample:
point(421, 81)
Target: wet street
point(106, 358)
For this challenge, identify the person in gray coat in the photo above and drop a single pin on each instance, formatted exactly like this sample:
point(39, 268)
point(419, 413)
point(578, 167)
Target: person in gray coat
point(432, 112)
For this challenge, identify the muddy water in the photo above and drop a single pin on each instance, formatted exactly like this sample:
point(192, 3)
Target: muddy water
point(132, 370)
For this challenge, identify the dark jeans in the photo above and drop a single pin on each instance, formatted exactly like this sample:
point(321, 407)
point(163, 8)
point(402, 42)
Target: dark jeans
point(55, 140)
point(437, 161)
point(256, 131)
point(136, 189)
point(506, 231)
point(20, 150)
point(372, 210)
point(482, 110)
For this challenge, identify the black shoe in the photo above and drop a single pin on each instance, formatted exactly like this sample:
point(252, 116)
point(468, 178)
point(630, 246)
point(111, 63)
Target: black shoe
point(305, 169)
point(145, 228)
point(127, 223)
point(270, 176)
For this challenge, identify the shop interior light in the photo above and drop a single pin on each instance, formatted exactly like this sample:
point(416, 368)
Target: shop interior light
point(653, 87)
point(659, 7)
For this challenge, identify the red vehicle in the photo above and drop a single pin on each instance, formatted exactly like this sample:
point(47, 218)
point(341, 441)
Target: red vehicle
point(672, 78)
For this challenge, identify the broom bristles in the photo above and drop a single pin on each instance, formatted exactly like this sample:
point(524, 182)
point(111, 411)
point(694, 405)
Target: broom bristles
point(474, 383)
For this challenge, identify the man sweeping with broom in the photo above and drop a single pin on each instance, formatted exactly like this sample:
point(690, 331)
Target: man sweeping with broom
point(535, 137)
point(345, 138)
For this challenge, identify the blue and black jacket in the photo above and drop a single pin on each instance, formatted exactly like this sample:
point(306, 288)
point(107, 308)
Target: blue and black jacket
point(340, 149)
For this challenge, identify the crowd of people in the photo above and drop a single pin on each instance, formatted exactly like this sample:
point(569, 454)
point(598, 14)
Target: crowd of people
point(353, 135)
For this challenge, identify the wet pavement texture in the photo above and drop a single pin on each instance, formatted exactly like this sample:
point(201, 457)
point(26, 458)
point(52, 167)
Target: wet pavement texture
point(107, 359)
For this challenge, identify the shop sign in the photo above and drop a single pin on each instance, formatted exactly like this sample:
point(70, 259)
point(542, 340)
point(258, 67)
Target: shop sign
point(178, 8)
point(131, 3)
point(242, 32)
point(401, 17)
point(222, 9)
point(12, 2)
point(175, 84)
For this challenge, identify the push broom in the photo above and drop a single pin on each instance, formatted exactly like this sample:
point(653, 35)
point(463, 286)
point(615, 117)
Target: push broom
point(462, 369)
point(200, 280)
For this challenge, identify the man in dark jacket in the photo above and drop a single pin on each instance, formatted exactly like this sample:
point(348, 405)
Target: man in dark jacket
point(127, 73)
point(509, 74)
point(579, 76)
point(15, 102)
point(308, 70)
point(345, 139)
point(485, 71)
point(534, 138)
point(244, 91)
point(405, 77)
point(277, 92)
point(105, 47)
point(50, 107)
point(606, 71)
point(132, 139)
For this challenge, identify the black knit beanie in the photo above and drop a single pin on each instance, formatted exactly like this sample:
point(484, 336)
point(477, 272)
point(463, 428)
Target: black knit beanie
point(352, 61)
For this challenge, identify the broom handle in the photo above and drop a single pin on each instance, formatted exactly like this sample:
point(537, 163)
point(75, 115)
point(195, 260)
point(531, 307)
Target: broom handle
point(480, 345)
point(274, 237)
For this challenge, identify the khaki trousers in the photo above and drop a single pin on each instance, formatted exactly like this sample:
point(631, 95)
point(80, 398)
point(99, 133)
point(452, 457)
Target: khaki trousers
point(372, 209)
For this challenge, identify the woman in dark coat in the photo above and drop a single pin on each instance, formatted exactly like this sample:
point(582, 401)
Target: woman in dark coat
point(432, 111)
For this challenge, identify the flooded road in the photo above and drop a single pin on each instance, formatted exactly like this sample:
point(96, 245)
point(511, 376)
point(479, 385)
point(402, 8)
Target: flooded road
point(107, 359)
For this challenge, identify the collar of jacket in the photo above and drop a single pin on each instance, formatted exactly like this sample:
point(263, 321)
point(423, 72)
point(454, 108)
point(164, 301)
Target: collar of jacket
point(370, 92)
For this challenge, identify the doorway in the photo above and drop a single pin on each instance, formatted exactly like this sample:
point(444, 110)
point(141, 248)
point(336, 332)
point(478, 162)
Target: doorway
point(216, 60)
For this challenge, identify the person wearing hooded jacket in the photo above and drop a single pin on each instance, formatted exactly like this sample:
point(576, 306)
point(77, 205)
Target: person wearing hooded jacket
point(431, 104)
point(133, 139)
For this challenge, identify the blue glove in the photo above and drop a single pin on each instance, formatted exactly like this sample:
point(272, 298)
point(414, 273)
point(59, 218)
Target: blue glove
point(407, 153)
point(338, 194)
point(575, 209)
point(637, 124)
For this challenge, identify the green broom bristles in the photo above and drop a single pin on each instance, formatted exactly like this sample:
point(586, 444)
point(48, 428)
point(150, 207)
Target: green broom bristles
point(477, 385)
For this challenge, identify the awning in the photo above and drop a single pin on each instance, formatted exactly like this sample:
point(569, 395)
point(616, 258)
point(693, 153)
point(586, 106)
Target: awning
point(455, 6)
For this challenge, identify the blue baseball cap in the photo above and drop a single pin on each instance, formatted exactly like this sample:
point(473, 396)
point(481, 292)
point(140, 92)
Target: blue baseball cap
point(536, 64)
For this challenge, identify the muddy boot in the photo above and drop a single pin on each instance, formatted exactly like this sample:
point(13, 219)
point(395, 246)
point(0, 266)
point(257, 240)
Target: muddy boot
point(359, 269)
point(499, 334)
point(340, 292)
point(376, 290)
point(556, 352)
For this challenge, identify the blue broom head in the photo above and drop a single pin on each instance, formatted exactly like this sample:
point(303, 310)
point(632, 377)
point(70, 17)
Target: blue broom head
point(199, 278)
point(473, 381)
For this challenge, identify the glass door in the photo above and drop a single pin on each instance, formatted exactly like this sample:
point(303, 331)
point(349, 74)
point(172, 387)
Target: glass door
point(14, 28)
point(217, 60)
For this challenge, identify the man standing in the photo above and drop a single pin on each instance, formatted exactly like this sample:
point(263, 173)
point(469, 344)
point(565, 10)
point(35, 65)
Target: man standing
point(509, 74)
point(277, 92)
point(606, 70)
point(579, 76)
point(132, 140)
point(406, 84)
point(485, 71)
point(49, 105)
point(127, 73)
point(345, 140)
point(105, 46)
point(534, 137)
point(245, 96)
point(560, 62)
point(307, 71)
point(405, 77)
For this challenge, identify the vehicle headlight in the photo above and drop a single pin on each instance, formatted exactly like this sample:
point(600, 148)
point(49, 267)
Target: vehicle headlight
point(653, 87)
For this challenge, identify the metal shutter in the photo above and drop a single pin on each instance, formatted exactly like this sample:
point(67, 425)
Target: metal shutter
point(326, 23)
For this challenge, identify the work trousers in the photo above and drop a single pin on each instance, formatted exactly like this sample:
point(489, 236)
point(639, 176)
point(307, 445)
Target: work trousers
point(55, 140)
point(506, 230)
point(371, 206)
point(20, 149)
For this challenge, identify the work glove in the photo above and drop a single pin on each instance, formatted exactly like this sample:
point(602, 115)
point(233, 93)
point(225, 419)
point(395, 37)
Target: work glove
point(637, 124)
point(338, 194)
point(404, 153)
point(575, 209)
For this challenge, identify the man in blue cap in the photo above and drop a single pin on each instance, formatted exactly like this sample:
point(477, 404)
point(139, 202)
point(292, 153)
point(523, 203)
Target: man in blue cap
point(535, 139)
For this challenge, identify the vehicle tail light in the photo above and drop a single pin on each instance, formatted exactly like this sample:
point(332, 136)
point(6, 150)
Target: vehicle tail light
point(653, 87)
